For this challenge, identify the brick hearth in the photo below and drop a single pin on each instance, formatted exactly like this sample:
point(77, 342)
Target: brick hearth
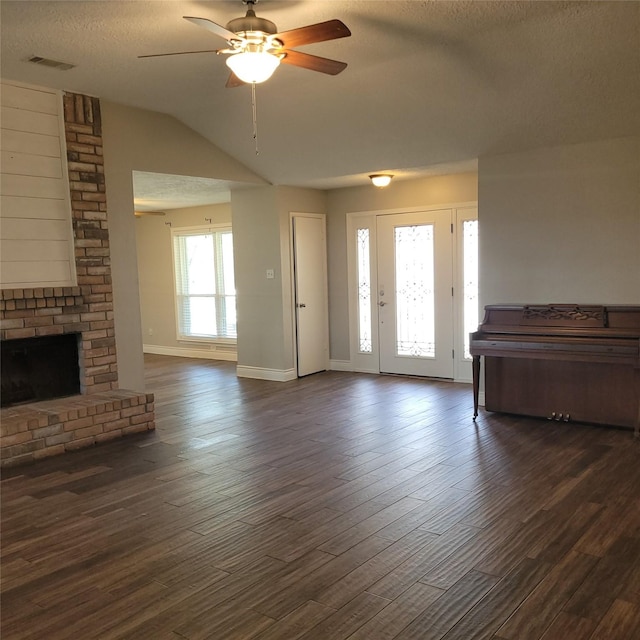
point(103, 411)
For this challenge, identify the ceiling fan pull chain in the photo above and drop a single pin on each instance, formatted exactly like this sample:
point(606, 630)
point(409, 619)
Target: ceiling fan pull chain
point(255, 115)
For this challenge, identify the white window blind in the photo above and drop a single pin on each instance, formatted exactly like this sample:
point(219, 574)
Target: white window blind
point(204, 284)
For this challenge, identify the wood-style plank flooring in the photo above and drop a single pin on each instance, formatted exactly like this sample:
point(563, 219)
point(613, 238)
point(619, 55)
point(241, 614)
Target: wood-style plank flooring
point(338, 506)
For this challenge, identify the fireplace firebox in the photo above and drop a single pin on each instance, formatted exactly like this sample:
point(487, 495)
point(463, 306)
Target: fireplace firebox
point(42, 368)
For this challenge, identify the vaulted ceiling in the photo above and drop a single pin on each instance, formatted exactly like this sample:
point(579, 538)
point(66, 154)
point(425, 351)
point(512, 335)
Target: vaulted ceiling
point(429, 87)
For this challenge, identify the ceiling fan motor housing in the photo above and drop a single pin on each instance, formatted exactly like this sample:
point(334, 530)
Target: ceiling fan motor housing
point(251, 22)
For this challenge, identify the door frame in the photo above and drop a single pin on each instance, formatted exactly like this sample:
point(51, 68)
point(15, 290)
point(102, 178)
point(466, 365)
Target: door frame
point(370, 362)
point(294, 316)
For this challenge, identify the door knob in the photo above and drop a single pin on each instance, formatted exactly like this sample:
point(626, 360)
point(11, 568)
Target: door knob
point(302, 306)
point(382, 303)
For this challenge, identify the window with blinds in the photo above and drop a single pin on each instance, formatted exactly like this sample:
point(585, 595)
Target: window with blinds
point(204, 284)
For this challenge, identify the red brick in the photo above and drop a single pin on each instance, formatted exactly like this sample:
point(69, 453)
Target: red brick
point(21, 449)
point(144, 417)
point(89, 431)
point(80, 148)
point(50, 331)
point(47, 452)
point(94, 197)
point(81, 166)
point(47, 432)
point(11, 427)
point(14, 334)
point(78, 128)
point(16, 438)
point(79, 444)
point(116, 424)
point(38, 321)
point(83, 186)
point(89, 139)
point(105, 377)
point(61, 438)
point(80, 423)
point(12, 323)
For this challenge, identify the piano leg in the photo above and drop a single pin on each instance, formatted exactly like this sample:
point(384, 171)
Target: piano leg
point(636, 430)
point(476, 384)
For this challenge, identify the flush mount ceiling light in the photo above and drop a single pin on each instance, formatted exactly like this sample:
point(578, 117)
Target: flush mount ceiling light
point(381, 179)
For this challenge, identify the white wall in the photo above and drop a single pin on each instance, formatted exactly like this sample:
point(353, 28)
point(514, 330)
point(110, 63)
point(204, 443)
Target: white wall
point(155, 272)
point(37, 248)
point(561, 224)
point(140, 140)
point(407, 194)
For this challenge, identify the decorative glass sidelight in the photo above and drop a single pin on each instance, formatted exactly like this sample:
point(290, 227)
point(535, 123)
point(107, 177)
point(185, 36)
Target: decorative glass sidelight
point(470, 280)
point(415, 291)
point(365, 343)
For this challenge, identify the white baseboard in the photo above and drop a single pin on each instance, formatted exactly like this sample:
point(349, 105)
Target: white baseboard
point(481, 398)
point(181, 352)
point(340, 365)
point(347, 365)
point(275, 375)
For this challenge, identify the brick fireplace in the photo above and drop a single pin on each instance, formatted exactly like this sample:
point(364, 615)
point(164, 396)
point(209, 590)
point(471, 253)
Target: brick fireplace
point(101, 411)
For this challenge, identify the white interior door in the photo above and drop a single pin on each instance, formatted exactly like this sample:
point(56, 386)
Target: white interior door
point(311, 300)
point(415, 293)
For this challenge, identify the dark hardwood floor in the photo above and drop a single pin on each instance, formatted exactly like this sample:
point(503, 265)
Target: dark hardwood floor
point(331, 507)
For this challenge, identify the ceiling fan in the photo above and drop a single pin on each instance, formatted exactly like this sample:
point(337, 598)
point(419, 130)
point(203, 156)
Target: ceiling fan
point(255, 48)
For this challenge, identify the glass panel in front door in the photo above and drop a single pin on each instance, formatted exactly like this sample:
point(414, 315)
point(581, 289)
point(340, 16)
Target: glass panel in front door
point(414, 289)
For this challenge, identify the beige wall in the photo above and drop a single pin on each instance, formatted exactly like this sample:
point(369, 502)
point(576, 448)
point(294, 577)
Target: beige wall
point(265, 307)
point(561, 224)
point(155, 273)
point(555, 225)
point(139, 140)
point(451, 189)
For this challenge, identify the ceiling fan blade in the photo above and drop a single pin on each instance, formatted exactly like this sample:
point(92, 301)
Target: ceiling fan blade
point(329, 30)
point(314, 63)
point(207, 24)
point(233, 81)
point(178, 53)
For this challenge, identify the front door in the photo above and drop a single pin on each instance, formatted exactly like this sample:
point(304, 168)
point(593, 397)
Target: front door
point(415, 293)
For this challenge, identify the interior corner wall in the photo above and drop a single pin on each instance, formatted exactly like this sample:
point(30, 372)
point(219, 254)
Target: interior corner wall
point(137, 139)
point(561, 225)
point(261, 241)
point(155, 271)
point(405, 194)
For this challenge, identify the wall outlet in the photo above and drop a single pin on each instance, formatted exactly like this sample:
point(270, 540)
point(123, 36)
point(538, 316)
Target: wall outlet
point(150, 332)
point(271, 274)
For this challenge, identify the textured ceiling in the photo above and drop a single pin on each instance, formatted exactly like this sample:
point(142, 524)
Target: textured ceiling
point(430, 86)
point(158, 191)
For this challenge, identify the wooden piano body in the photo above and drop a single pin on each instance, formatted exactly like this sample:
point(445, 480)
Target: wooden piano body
point(578, 363)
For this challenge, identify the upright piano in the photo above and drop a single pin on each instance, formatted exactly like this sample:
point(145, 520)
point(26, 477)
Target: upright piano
point(578, 363)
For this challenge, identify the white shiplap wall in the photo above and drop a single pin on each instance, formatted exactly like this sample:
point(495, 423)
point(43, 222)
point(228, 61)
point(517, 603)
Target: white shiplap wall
point(36, 234)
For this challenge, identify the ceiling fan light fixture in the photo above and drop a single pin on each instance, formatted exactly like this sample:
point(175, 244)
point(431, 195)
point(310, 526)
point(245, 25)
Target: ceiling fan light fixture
point(381, 179)
point(253, 66)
